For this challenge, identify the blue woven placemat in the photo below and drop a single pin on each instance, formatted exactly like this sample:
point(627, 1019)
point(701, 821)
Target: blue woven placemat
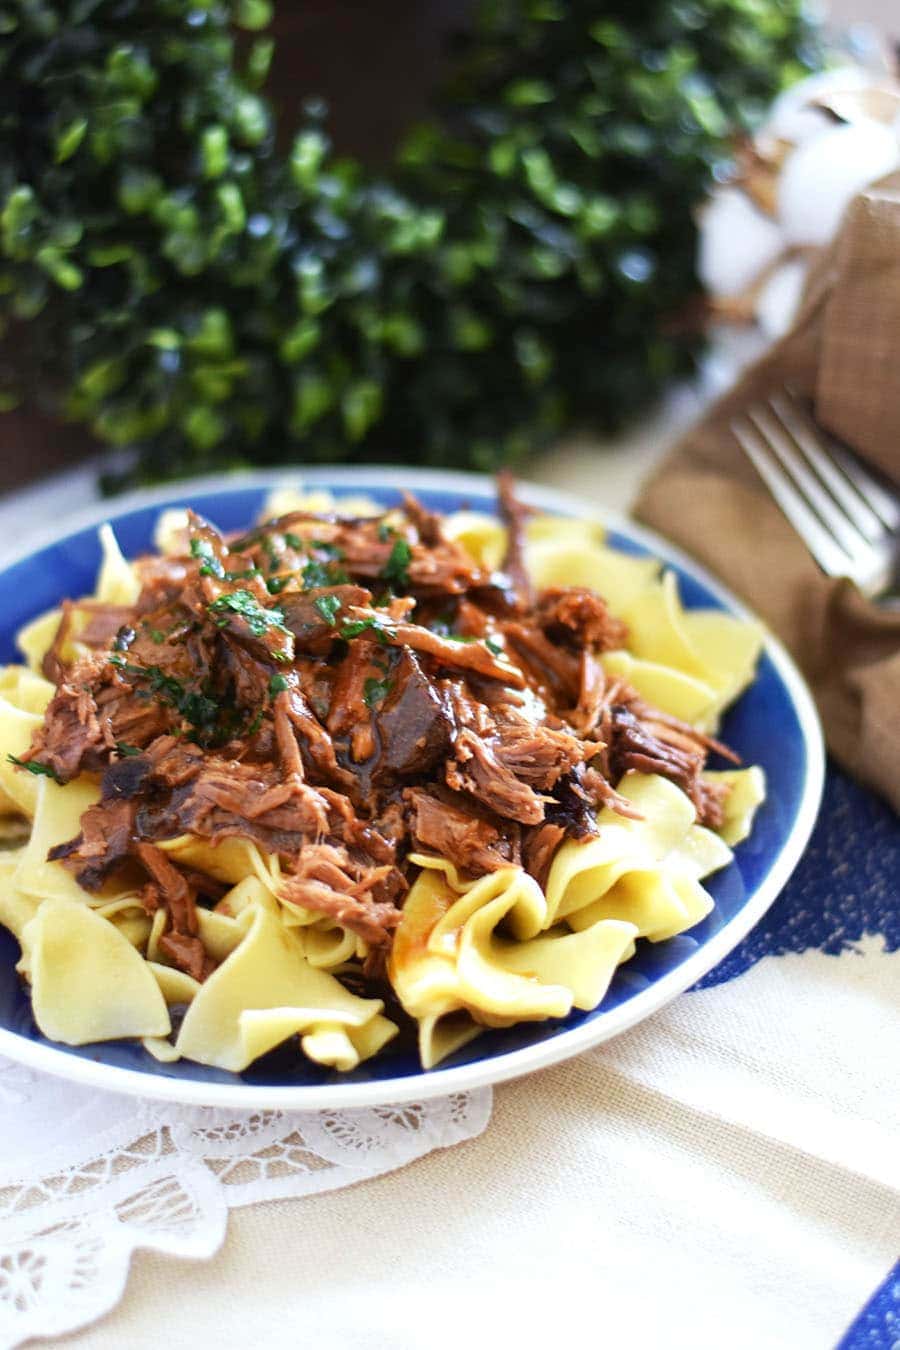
point(847, 886)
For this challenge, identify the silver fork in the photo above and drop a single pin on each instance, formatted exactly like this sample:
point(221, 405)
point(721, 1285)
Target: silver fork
point(848, 520)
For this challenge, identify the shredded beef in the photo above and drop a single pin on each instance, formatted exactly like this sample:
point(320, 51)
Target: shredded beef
point(537, 755)
point(476, 769)
point(229, 799)
point(103, 623)
point(655, 743)
point(73, 735)
point(472, 841)
point(539, 847)
point(303, 614)
point(105, 842)
point(514, 515)
point(554, 670)
point(169, 887)
point(415, 724)
point(327, 880)
point(342, 693)
point(580, 617)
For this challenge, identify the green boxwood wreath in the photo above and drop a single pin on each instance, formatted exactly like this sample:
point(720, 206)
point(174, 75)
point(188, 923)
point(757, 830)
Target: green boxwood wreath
point(169, 279)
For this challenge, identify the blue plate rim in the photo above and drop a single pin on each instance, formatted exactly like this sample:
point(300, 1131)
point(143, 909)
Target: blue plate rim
point(514, 1063)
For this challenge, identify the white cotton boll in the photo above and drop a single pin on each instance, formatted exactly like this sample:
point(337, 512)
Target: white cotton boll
point(737, 243)
point(779, 299)
point(819, 178)
point(790, 119)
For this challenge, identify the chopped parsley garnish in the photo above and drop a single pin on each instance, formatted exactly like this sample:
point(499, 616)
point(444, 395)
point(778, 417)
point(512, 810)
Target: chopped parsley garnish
point(395, 570)
point(198, 709)
point(277, 685)
point(246, 606)
point(128, 751)
point(194, 706)
point(275, 585)
point(441, 627)
point(354, 627)
point(273, 545)
point(330, 550)
point(293, 540)
point(255, 725)
point(211, 565)
point(375, 691)
point(385, 532)
point(493, 647)
point(317, 574)
point(157, 636)
point(42, 770)
point(328, 606)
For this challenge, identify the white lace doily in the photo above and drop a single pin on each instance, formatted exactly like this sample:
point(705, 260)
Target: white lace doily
point(87, 1177)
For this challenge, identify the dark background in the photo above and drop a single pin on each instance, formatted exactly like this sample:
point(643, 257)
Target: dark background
point(375, 64)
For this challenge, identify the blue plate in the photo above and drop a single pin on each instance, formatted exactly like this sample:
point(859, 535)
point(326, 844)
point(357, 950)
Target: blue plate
point(774, 724)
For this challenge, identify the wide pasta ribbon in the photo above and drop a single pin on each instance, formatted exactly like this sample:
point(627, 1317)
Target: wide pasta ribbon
point(88, 983)
point(265, 991)
point(500, 950)
point(454, 972)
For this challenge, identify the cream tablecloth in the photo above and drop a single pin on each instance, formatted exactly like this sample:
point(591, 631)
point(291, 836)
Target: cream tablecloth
point(721, 1176)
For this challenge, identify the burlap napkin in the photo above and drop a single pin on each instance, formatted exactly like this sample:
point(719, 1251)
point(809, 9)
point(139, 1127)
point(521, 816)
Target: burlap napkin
point(844, 353)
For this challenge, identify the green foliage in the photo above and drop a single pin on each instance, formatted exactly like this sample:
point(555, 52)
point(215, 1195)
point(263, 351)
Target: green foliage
point(167, 278)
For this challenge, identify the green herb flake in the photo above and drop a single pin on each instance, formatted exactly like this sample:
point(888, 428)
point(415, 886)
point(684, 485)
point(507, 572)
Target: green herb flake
point(193, 705)
point(157, 636)
point(273, 546)
point(328, 606)
point(330, 550)
point(317, 574)
point(385, 532)
point(293, 540)
point(375, 691)
point(211, 566)
point(128, 751)
point(39, 770)
point(255, 725)
point(198, 709)
point(277, 685)
point(275, 585)
point(493, 647)
point(246, 606)
point(395, 570)
point(355, 627)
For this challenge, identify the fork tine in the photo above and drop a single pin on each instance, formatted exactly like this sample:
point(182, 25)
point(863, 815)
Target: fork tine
point(783, 448)
point(871, 491)
point(834, 467)
point(827, 553)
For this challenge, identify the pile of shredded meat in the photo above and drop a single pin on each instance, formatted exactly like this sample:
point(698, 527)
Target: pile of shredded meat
point(343, 692)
